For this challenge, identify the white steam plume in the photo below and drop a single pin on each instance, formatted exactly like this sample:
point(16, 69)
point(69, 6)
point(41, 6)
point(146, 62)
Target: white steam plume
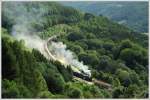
point(32, 41)
point(66, 56)
point(23, 18)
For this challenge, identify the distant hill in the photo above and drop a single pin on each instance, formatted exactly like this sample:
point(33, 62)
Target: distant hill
point(132, 14)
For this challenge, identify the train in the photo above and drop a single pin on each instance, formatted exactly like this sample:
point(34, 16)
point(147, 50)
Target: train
point(88, 78)
point(83, 76)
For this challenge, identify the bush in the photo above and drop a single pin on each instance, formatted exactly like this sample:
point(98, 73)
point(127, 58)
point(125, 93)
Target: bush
point(124, 77)
point(126, 44)
point(89, 59)
point(73, 90)
point(65, 72)
point(54, 80)
point(131, 56)
point(10, 89)
point(118, 92)
point(75, 36)
point(45, 94)
point(75, 93)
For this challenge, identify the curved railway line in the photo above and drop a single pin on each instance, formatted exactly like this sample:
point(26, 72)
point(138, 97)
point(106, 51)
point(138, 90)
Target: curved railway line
point(78, 75)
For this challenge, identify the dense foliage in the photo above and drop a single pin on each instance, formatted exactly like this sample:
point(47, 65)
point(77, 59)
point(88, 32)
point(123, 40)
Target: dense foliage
point(115, 54)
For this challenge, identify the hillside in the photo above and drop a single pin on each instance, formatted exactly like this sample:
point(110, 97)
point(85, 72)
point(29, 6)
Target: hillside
point(132, 14)
point(115, 55)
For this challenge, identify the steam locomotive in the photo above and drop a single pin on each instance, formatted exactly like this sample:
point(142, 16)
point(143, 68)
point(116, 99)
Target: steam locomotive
point(83, 76)
point(88, 78)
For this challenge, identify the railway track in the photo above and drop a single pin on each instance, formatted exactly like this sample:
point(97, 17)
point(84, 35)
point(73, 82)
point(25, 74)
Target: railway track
point(93, 81)
point(50, 56)
point(46, 47)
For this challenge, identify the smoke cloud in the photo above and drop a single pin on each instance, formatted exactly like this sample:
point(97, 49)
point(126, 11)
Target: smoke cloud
point(32, 41)
point(66, 56)
point(23, 18)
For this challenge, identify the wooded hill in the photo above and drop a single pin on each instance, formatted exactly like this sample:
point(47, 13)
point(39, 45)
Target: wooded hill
point(114, 53)
point(133, 14)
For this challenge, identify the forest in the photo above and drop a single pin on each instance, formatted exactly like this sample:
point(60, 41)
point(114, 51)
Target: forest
point(114, 53)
